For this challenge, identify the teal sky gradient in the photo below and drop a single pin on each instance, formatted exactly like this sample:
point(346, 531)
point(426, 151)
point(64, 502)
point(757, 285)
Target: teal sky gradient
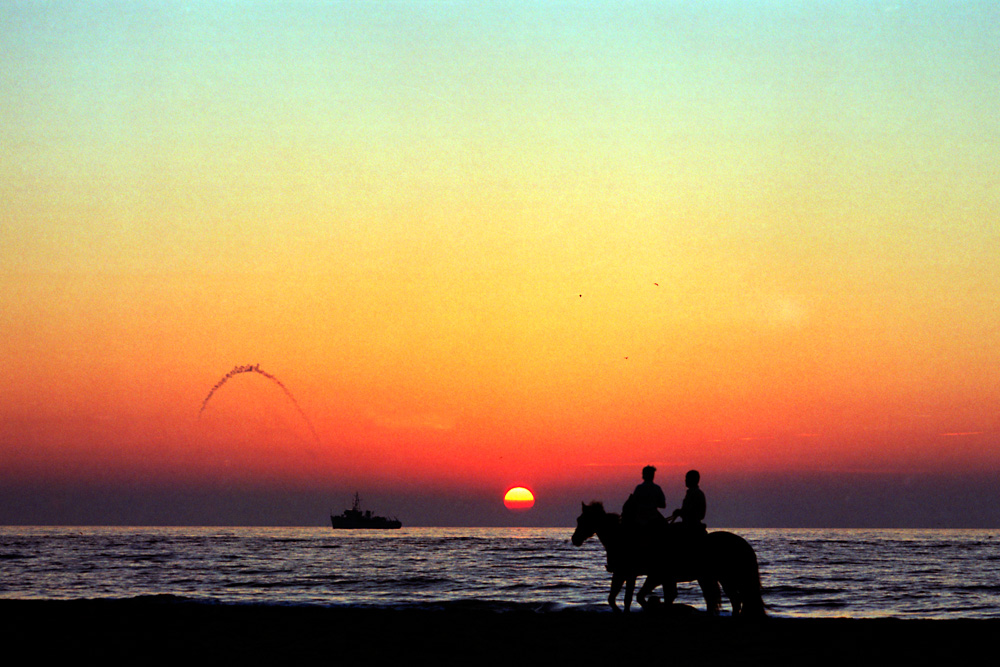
point(449, 224)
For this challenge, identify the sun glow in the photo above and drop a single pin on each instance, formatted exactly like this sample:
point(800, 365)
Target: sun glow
point(519, 498)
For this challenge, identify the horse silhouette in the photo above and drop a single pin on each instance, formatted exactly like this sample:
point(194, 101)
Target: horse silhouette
point(722, 558)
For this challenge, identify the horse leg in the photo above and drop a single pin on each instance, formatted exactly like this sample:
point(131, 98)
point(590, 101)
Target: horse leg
point(648, 587)
point(734, 594)
point(616, 586)
point(669, 592)
point(713, 597)
point(629, 590)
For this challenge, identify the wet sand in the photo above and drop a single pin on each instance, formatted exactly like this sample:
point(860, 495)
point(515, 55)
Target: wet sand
point(138, 631)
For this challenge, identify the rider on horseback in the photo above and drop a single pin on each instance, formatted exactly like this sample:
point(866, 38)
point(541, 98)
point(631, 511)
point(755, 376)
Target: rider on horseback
point(687, 536)
point(641, 542)
point(692, 509)
point(643, 506)
point(641, 516)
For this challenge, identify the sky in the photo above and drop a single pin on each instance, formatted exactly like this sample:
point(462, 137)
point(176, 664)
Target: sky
point(476, 245)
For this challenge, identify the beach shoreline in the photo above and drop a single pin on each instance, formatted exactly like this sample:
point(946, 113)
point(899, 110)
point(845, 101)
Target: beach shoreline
point(127, 630)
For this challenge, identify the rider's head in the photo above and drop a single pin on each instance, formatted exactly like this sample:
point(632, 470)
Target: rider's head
point(692, 478)
point(647, 473)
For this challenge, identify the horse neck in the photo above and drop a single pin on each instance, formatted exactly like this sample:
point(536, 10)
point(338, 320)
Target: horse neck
point(609, 532)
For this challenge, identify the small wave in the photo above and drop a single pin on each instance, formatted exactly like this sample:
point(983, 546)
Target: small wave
point(496, 606)
point(292, 583)
point(152, 558)
point(290, 540)
point(824, 604)
point(162, 598)
point(262, 585)
point(555, 586)
point(417, 582)
point(801, 591)
point(539, 586)
point(989, 589)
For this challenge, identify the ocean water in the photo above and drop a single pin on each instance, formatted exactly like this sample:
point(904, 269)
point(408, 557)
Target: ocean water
point(936, 574)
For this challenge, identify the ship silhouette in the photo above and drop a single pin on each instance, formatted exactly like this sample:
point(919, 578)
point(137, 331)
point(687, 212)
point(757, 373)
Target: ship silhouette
point(355, 518)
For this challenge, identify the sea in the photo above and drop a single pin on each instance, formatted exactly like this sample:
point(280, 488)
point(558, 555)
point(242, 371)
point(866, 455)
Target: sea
point(929, 574)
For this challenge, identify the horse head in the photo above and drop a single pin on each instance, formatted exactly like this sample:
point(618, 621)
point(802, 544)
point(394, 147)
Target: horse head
point(588, 523)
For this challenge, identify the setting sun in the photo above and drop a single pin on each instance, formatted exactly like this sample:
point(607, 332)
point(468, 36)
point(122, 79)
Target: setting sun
point(519, 498)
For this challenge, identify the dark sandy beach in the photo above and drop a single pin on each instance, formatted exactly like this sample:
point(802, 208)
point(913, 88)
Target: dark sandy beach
point(180, 632)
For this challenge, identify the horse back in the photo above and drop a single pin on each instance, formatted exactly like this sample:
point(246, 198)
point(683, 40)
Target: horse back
point(731, 548)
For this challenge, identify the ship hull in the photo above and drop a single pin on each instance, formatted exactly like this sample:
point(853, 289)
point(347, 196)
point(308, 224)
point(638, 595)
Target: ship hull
point(339, 523)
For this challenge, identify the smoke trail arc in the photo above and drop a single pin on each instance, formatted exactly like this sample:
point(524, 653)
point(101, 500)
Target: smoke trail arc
point(255, 368)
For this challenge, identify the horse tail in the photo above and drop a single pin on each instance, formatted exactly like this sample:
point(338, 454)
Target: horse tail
point(753, 601)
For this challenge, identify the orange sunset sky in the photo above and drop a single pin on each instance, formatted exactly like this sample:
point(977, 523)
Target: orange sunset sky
point(485, 245)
